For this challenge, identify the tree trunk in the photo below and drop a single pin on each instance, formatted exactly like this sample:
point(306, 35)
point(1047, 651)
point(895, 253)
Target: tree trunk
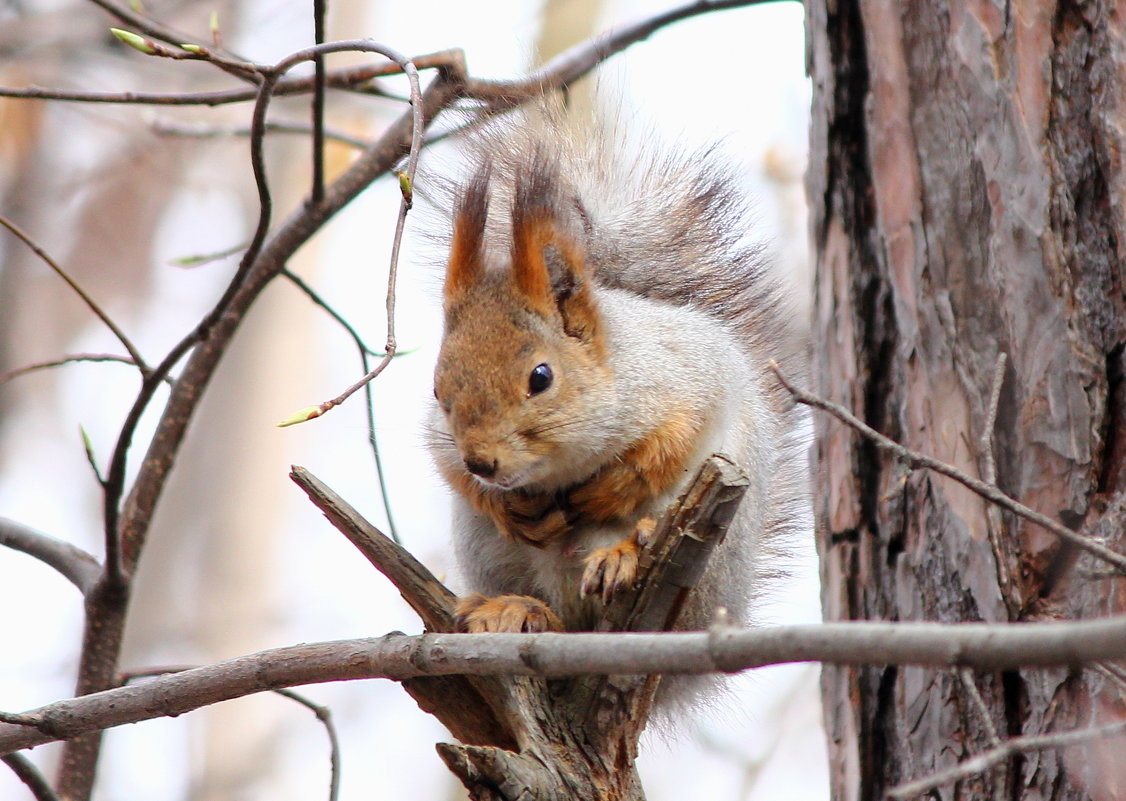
point(966, 190)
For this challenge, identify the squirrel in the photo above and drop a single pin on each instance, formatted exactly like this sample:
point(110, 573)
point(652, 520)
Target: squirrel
point(607, 327)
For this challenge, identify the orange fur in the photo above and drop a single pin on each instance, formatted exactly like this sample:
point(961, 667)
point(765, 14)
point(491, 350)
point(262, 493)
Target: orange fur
point(529, 268)
point(649, 468)
point(477, 613)
point(612, 569)
point(534, 518)
point(467, 252)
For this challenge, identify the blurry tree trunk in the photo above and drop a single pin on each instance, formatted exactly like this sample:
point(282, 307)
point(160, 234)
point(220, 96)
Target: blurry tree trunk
point(966, 191)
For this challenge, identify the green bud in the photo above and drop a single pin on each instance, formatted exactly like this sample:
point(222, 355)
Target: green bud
point(303, 416)
point(137, 42)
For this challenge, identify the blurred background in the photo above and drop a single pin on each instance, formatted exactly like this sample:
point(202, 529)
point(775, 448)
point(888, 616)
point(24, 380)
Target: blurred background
point(238, 560)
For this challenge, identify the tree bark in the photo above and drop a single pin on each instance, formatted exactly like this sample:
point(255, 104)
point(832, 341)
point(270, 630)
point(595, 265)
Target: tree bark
point(967, 190)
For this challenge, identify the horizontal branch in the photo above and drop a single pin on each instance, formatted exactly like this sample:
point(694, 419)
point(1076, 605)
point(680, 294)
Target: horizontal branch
point(398, 657)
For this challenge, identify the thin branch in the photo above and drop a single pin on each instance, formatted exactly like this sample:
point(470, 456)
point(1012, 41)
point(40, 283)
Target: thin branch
point(30, 776)
point(349, 79)
point(318, 105)
point(324, 715)
point(156, 30)
point(985, 443)
point(75, 564)
point(988, 759)
point(915, 460)
point(390, 347)
point(727, 649)
point(78, 290)
point(319, 301)
point(369, 400)
point(572, 64)
point(168, 128)
point(73, 358)
point(970, 686)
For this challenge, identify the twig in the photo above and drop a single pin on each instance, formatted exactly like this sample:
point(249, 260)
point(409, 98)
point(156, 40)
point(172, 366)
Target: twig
point(324, 715)
point(75, 564)
point(398, 657)
point(417, 128)
point(985, 443)
point(154, 29)
point(30, 776)
point(73, 358)
point(318, 105)
point(970, 686)
point(78, 290)
point(994, 756)
point(915, 460)
point(1010, 590)
point(572, 64)
point(213, 131)
point(348, 79)
point(319, 301)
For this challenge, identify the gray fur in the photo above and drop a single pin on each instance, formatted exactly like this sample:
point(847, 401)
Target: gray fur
point(693, 316)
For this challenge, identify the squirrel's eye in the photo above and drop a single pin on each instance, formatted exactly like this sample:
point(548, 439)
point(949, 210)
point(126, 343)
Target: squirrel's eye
point(540, 379)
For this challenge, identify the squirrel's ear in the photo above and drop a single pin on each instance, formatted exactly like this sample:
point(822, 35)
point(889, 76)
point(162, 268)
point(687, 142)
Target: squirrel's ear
point(548, 266)
point(467, 249)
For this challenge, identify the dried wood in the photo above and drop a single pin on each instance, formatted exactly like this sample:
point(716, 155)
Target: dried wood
point(528, 737)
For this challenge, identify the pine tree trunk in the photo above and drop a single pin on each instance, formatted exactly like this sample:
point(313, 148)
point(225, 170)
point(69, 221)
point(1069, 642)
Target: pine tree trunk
point(967, 195)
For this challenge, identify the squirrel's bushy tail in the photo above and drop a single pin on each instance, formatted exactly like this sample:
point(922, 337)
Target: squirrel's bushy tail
point(668, 224)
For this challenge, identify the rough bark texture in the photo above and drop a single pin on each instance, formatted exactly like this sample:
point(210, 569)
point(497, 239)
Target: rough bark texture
point(967, 194)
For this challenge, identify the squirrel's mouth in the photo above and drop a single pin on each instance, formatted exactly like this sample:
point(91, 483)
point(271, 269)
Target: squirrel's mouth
point(503, 482)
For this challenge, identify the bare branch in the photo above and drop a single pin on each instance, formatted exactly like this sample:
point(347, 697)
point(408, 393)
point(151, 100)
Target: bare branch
point(30, 776)
point(970, 686)
point(915, 460)
point(399, 657)
point(572, 64)
point(318, 300)
point(985, 444)
point(350, 79)
point(78, 290)
point(73, 358)
point(77, 566)
point(995, 756)
point(318, 106)
point(168, 128)
point(324, 715)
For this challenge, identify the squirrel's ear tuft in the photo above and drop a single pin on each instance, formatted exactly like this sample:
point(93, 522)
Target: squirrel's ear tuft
point(467, 249)
point(548, 265)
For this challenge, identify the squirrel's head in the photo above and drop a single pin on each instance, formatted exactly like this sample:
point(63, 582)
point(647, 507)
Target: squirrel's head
point(522, 357)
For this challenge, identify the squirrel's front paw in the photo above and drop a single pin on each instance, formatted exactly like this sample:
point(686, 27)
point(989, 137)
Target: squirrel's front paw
point(610, 570)
point(477, 613)
point(535, 519)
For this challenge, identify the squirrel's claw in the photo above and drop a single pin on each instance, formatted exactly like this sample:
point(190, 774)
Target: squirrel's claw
point(477, 613)
point(610, 570)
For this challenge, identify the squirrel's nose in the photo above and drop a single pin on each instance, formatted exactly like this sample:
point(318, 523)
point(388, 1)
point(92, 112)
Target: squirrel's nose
point(480, 467)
